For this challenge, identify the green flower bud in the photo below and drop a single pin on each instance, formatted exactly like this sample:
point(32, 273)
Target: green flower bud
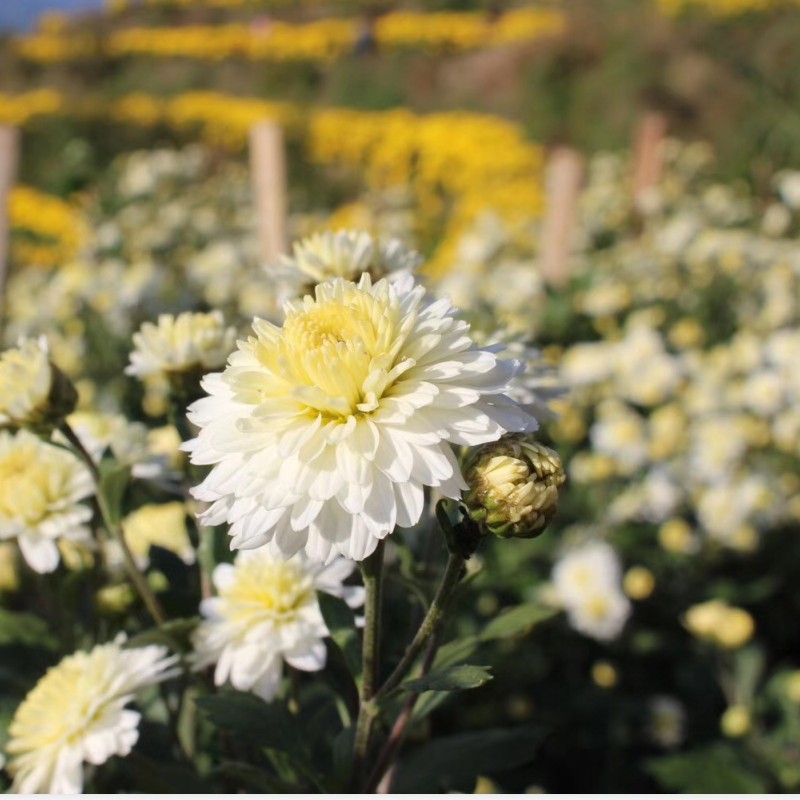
point(513, 486)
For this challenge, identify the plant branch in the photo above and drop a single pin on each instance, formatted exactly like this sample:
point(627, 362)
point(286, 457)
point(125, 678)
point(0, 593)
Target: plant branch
point(372, 572)
point(450, 579)
point(115, 529)
point(395, 740)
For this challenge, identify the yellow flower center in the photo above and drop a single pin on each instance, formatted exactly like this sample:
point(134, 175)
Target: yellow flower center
point(267, 590)
point(337, 355)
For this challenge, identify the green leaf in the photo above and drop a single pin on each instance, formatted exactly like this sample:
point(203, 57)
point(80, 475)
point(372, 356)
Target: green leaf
point(25, 629)
point(253, 779)
point(114, 480)
point(341, 623)
point(175, 634)
point(261, 724)
point(160, 777)
point(710, 770)
point(514, 621)
point(456, 651)
point(456, 761)
point(451, 679)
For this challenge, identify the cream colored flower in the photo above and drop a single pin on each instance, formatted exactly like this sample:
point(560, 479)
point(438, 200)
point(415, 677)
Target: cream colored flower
point(188, 343)
point(41, 487)
point(159, 524)
point(588, 580)
point(266, 613)
point(33, 393)
point(77, 713)
point(324, 432)
point(344, 254)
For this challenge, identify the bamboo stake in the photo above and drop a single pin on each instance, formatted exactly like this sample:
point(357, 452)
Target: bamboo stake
point(563, 179)
point(9, 159)
point(648, 156)
point(268, 171)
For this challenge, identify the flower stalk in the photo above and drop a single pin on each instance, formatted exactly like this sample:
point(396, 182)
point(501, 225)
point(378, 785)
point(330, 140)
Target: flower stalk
point(115, 529)
point(372, 572)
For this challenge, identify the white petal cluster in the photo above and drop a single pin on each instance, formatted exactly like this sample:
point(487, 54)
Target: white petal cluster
point(25, 382)
point(324, 432)
point(344, 254)
point(185, 343)
point(76, 713)
point(588, 580)
point(267, 612)
point(41, 487)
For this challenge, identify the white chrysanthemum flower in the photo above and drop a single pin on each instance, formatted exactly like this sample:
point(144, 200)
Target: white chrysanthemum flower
point(33, 393)
point(325, 431)
point(344, 254)
point(266, 613)
point(128, 441)
point(77, 713)
point(190, 342)
point(25, 380)
point(41, 487)
point(588, 580)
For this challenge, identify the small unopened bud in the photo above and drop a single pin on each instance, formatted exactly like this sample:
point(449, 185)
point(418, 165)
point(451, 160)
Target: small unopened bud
point(34, 393)
point(725, 626)
point(115, 599)
point(736, 722)
point(513, 486)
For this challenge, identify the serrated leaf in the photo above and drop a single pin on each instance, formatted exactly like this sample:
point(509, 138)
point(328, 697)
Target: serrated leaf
point(258, 723)
point(114, 480)
point(710, 770)
point(341, 623)
point(175, 634)
point(452, 679)
point(514, 621)
point(24, 629)
point(455, 762)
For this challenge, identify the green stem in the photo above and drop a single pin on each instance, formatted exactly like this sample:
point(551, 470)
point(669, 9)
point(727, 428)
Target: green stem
point(115, 529)
point(392, 745)
point(450, 579)
point(372, 572)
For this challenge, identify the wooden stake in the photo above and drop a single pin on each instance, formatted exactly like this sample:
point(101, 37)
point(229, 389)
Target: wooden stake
point(268, 171)
point(9, 158)
point(563, 179)
point(648, 155)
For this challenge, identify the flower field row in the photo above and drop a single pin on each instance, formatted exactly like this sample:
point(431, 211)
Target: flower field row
point(456, 164)
point(48, 230)
point(723, 8)
point(321, 40)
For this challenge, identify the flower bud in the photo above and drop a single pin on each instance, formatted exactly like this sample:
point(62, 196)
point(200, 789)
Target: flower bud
point(638, 583)
point(34, 393)
point(736, 722)
point(513, 486)
point(725, 626)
